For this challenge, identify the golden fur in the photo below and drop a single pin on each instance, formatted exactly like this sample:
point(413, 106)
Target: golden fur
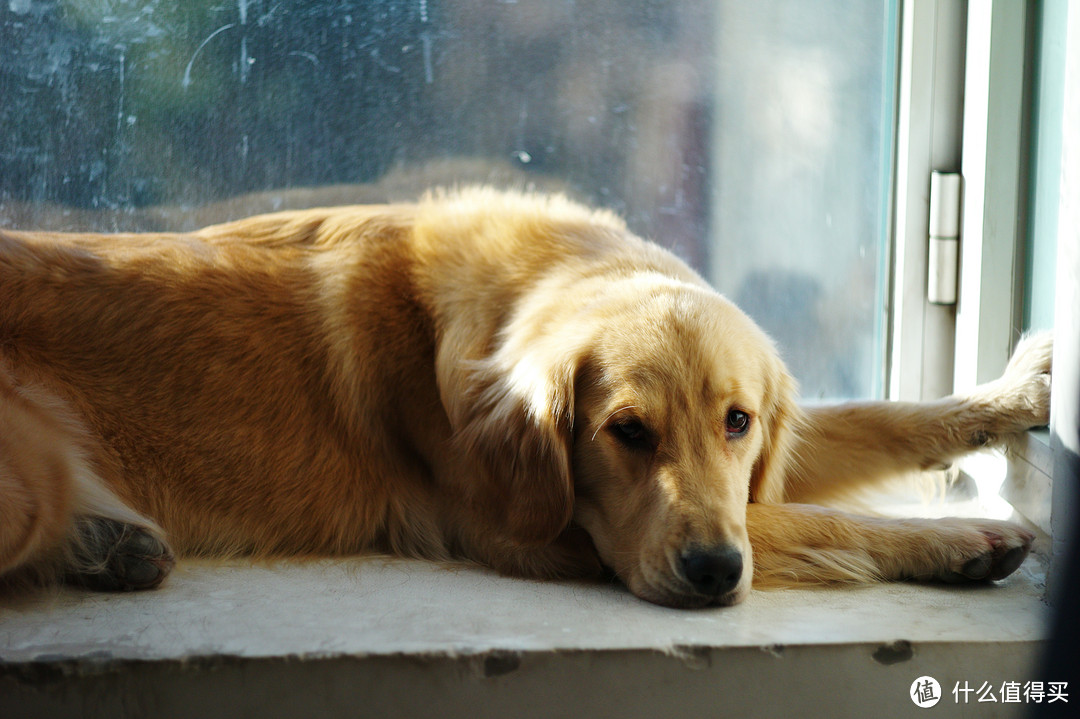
point(504, 378)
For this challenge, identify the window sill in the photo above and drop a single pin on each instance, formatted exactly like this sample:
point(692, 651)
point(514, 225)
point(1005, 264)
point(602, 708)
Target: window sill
point(334, 638)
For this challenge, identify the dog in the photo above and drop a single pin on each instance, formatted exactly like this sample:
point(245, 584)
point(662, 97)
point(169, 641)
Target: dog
point(497, 377)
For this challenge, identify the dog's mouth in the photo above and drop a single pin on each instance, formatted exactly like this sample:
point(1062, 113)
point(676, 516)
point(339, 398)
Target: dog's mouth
point(676, 595)
point(668, 587)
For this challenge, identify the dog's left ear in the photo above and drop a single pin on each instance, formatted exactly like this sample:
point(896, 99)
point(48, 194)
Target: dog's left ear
point(780, 419)
point(516, 421)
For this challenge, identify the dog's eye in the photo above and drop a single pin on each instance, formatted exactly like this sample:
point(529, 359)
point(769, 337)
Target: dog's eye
point(737, 423)
point(632, 433)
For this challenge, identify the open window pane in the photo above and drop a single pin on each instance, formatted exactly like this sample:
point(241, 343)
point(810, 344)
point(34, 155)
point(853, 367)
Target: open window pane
point(754, 139)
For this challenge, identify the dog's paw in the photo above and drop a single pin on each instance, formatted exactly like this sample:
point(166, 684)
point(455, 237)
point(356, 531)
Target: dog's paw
point(1020, 398)
point(973, 550)
point(1032, 356)
point(109, 555)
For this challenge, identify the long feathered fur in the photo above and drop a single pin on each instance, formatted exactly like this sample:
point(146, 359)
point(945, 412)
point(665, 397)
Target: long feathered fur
point(509, 379)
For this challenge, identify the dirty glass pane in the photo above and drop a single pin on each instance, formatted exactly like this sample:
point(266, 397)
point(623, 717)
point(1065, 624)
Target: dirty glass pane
point(751, 138)
point(802, 151)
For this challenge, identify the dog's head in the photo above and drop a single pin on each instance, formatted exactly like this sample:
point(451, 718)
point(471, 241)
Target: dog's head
point(651, 416)
point(680, 416)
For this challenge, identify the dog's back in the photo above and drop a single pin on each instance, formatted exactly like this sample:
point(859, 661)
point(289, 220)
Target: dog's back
point(269, 385)
point(206, 364)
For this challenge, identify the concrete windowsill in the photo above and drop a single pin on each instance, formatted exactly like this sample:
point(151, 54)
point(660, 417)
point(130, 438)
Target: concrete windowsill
point(401, 638)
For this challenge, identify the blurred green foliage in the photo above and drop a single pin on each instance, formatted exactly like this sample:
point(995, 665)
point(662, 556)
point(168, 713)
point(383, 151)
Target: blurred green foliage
point(113, 103)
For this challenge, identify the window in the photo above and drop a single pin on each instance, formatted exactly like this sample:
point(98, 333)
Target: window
point(753, 139)
point(1028, 479)
point(1010, 138)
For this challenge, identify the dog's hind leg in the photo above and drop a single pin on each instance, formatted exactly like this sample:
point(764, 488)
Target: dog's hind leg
point(845, 446)
point(804, 544)
point(57, 519)
point(36, 480)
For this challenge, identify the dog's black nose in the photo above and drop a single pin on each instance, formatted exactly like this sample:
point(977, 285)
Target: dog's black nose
point(713, 572)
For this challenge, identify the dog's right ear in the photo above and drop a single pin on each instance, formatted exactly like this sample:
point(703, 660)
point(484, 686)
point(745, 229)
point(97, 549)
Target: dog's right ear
point(514, 421)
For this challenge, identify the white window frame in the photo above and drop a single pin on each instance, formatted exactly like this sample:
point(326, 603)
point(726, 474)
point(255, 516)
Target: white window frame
point(993, 167)
point(929, 122)
point(960, 110)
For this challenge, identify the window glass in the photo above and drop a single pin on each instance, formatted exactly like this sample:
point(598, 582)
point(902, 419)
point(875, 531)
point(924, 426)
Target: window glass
point(1048, 100)
point(803, 150)
point(753, 139)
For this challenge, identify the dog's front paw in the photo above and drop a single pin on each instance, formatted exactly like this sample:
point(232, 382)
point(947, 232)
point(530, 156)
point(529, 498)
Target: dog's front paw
point(975, 550)
point(109, 555)
point(1032, 356)
point(1020, 398)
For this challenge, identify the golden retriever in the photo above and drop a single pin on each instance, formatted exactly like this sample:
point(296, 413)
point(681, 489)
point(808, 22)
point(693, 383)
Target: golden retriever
point(503, 378)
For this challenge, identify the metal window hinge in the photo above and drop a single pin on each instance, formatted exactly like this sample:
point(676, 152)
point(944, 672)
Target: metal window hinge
point(944, 238)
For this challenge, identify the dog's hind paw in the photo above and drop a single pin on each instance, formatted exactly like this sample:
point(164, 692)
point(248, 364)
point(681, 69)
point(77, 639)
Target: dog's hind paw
point(109, 555)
